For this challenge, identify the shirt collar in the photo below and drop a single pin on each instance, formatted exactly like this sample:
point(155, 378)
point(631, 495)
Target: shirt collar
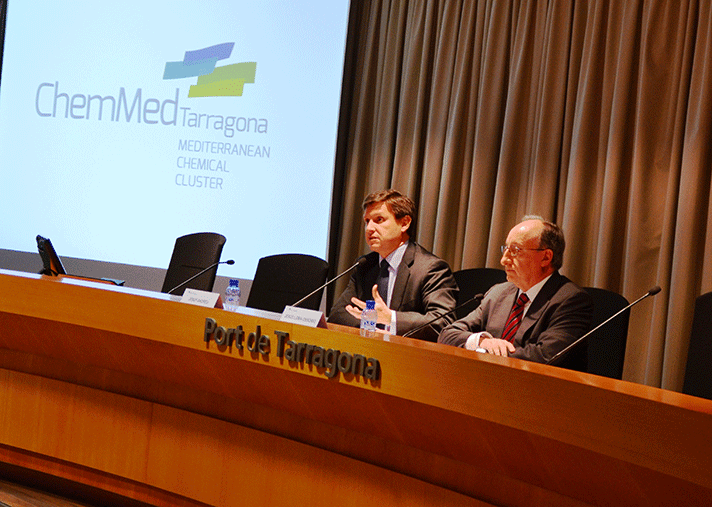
point(534, 290)
point(395, 257)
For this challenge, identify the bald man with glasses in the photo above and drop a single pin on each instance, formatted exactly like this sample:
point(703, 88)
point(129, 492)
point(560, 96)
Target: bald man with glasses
point(537, 312)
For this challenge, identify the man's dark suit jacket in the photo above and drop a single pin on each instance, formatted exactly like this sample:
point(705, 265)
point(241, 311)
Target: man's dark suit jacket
point(559, 314)
point(424, 288)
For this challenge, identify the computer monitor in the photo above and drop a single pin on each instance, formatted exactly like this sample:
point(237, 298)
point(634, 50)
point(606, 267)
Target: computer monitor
point(51, 264)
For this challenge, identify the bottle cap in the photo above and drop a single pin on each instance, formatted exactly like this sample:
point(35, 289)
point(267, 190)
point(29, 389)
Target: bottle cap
point(234, 282)
point(370, 304)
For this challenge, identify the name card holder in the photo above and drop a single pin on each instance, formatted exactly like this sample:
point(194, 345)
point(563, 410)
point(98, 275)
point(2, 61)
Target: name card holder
point(304, 317)
point(201, 298)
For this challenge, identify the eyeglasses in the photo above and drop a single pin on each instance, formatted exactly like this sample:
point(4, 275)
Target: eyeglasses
point(514, 249)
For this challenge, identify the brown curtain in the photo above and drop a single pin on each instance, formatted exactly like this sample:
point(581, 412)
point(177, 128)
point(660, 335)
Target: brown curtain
point(595, 114)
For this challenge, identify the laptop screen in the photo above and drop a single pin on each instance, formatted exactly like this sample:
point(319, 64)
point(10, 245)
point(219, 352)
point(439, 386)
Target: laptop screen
point(51, 264)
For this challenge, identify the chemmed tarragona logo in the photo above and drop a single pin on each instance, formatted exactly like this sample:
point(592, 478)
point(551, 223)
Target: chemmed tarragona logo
point(53, 100)
point(225, 81)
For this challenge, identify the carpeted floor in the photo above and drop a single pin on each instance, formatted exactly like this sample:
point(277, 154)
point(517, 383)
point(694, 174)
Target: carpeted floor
point(14, 495)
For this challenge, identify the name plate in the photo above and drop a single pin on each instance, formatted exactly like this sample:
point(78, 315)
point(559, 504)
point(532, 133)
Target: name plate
point(200, 298)
point(304, 317)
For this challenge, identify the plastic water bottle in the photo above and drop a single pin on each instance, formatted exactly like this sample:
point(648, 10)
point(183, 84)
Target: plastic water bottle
point(232, 295)
point(368, 319)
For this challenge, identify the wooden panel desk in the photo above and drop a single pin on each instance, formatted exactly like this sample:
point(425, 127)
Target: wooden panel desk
point(117, 389)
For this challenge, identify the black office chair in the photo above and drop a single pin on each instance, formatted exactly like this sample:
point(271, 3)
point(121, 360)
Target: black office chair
point(606, 347)
point(475, 281)
point(698, 380)
point(191, 254)
point(282, 280)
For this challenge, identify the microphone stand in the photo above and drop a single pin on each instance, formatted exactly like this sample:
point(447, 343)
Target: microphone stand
point(360, 261)
point(415, 330)
point(230, 262)
point(651, 292)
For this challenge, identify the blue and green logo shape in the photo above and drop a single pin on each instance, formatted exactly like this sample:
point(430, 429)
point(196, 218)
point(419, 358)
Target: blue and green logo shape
point(225, 81)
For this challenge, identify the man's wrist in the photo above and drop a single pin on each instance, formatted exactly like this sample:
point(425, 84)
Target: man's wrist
point(474, 340)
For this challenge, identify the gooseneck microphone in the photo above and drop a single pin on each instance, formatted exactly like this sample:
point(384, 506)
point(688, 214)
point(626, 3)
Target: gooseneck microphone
point(473, 298)
point(651, 292)
point(359, 262)
point(230, 262)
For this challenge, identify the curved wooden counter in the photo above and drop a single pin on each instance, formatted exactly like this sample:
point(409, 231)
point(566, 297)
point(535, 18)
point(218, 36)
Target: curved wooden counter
point(116, 389)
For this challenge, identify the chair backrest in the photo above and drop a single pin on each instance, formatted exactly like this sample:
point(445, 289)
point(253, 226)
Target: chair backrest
point(475, 281)
point(191, 254)
point(698, 380)
point(606, 347)
point(282, 280)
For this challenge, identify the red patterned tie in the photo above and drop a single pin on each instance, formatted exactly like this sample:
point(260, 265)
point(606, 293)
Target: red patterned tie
point(515, 318)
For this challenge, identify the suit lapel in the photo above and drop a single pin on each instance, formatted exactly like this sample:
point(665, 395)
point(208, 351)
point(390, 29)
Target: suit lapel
point(499, 316)
point(369, 277)
point(540, 303)
point(402, 277)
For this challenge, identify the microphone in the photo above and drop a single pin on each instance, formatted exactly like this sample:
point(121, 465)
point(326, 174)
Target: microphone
point(360, 262)
point(230, 262)
point(651, 292)
point(473, 298)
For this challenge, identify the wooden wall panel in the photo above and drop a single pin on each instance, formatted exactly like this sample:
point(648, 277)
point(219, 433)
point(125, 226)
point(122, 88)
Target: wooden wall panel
point(190, 455)
point(111, 362)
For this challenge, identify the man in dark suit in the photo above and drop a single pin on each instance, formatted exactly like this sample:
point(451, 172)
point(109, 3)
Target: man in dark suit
point(537, 312)
point(416, 286)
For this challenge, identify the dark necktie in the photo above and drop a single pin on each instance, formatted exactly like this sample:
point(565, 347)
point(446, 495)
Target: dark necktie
point(382, 281)
point(515, 318)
